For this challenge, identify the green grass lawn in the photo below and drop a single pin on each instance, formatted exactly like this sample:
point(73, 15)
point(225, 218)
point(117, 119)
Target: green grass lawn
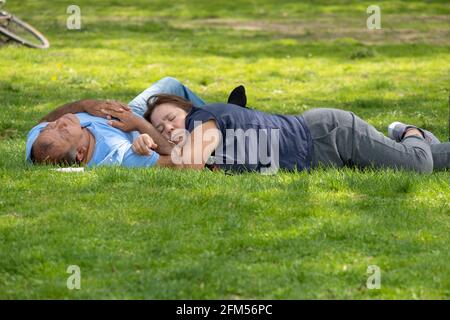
point(157, 233)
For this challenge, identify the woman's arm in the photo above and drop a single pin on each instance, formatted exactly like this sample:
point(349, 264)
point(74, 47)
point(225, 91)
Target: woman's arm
point(200, 144)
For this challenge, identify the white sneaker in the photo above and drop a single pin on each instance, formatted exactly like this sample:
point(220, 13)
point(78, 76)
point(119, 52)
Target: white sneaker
point(396, 131)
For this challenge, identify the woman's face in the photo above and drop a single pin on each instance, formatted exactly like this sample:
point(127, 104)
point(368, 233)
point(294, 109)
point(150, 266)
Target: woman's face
point(166, 118)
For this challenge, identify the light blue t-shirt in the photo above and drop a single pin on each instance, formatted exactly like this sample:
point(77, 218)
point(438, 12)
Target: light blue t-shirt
point(112, 146)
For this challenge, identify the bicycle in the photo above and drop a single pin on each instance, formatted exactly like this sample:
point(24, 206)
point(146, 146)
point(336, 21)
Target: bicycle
point(14, 29)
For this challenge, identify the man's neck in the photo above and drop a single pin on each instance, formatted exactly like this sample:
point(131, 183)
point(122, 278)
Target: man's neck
point(89, 143)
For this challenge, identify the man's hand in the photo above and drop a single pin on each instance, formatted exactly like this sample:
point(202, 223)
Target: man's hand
point(127, 121)
point(95, 107)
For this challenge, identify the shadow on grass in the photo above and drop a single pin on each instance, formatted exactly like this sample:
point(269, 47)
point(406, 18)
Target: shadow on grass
point(228, 43)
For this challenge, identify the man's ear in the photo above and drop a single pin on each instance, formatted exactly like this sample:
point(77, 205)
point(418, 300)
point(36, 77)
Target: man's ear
point(238, 96)
point(81, 153)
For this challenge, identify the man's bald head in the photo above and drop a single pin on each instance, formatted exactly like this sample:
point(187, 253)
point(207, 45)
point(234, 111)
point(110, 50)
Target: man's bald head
point(46, 150)
point(59, 142)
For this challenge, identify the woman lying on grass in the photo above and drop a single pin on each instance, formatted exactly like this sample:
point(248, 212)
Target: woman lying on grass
point(231, 137)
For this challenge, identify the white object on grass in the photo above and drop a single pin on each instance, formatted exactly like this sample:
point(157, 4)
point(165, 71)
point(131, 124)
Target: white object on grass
point(76, 169)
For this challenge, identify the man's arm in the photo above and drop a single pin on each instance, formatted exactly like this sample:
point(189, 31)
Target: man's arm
point(90, 106)
point(73, 107)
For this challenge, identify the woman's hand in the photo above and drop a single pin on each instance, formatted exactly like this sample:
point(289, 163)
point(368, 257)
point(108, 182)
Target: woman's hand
point(194, 154)
point(124, 120)
point(143, 145)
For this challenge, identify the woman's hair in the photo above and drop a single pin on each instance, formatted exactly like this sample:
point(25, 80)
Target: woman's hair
point(162, 98)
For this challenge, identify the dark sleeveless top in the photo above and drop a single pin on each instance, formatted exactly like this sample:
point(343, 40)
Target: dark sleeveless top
point(255, 141)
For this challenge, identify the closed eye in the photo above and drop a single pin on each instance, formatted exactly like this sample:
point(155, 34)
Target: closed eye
point(65, 134)
point(49, 126)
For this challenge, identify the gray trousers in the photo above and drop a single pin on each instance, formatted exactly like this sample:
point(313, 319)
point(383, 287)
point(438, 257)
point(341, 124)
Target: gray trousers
point(341, 139)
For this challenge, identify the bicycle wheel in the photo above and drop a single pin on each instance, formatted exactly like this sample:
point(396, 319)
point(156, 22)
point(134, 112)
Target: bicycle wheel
point(21, 32)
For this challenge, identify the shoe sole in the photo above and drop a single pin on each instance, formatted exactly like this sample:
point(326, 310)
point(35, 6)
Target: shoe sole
point(391, 128)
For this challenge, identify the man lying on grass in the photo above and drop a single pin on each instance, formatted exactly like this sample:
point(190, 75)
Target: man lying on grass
point(327, 137)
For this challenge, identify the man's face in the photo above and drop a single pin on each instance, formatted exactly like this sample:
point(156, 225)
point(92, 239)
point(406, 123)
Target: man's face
point(63, 136)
